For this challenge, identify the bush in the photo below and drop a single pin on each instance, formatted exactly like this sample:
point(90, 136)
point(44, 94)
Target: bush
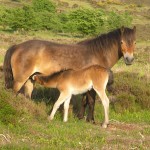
point(42, 15)
point(83, 21)
point(125, 102)
point(93, 22)
point(116, 20)
point(20, 18)
point(43, 5)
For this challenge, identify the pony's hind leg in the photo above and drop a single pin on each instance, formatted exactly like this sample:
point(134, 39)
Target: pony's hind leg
point(17, 86)
point(62, 98)
point(91, 102)
point(66, 108)
point(110, 81)
point(84, 103)
point(27, 88)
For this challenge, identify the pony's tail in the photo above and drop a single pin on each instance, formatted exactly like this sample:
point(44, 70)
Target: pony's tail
point(8, 74)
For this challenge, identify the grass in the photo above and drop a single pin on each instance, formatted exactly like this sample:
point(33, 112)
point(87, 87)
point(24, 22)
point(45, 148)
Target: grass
point(24, 125)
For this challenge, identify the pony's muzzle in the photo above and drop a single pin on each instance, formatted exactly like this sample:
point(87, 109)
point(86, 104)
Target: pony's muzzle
point(128, 60)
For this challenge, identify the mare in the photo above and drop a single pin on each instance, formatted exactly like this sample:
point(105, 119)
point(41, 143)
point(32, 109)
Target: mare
point(72, 82)
point(38, 56)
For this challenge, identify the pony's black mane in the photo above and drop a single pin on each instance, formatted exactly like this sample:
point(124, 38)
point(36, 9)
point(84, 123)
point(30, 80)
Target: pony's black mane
point(103, 42)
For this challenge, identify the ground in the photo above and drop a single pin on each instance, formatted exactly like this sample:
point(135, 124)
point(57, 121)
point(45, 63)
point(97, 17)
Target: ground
point(23, 122)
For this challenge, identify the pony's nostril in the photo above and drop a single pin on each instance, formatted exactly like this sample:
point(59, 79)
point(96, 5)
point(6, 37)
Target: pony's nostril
point(127, 59)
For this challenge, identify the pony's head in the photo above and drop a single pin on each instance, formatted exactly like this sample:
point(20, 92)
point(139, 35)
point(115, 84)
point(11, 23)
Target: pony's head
point(128, 44)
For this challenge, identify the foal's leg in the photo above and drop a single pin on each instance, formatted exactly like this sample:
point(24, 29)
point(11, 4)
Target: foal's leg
point(105, 102)
point(62, 98)
point(66, 108)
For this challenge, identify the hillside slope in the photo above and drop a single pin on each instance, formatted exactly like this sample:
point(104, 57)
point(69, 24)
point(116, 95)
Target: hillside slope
point(23, 122)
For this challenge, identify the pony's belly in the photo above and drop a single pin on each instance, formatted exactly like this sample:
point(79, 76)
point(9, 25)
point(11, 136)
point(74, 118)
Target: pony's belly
point(47, 69)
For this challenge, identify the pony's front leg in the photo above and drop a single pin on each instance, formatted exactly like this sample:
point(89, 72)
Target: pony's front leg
point(57, 104)
point(66, 108)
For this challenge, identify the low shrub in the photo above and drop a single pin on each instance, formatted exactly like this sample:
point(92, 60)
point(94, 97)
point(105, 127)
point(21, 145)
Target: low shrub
point(124, 102)
point(42, 15)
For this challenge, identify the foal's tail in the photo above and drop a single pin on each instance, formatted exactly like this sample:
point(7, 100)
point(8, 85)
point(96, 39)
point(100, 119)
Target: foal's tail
point(8, 74)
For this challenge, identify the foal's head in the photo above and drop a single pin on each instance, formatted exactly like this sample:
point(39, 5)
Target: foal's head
point(128, 44)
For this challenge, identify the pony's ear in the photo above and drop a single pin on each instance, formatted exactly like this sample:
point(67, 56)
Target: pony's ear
point(134, 28)
point(122, 29)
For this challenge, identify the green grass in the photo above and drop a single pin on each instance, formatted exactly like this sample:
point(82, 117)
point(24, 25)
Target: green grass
point(24, 124)
point(1, 59)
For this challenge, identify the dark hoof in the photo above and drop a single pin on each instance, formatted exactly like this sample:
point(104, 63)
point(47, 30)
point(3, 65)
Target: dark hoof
point(80, 116)
point(90, 120)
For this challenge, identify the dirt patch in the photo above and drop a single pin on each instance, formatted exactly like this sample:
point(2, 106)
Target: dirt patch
point(137, 2)
point(123, 126)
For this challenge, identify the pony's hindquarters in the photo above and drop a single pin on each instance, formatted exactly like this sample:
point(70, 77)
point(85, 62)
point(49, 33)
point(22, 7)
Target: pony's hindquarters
point(8, 74)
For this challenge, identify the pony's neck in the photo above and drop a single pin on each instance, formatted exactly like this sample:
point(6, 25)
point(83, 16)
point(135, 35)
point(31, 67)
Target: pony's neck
point(111, 57)
point(107, 48)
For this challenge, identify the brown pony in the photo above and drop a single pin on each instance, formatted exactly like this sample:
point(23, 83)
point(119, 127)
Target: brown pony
point(72, 82)
point(23, 60)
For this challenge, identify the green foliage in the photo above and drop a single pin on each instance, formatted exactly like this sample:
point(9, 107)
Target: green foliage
point(116, 20)
point(43, 5)
point(93, 21)
point(84, 21)
point(125, 102)
point(42, 15)
point(38, 16)
point(21, 18)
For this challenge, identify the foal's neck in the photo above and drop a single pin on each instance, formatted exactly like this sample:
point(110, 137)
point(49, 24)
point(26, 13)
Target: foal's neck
point(50, 81)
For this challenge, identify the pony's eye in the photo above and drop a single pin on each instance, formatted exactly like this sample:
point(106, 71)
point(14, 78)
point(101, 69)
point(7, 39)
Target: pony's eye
point(121, 42)
point(134, 42)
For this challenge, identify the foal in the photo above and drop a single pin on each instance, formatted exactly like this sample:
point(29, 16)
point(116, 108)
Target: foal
point(72, 82)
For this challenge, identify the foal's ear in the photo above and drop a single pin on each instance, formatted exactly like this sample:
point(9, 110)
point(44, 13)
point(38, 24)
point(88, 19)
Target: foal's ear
point(33, 77)
point(122, 29)
point(134, 28)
